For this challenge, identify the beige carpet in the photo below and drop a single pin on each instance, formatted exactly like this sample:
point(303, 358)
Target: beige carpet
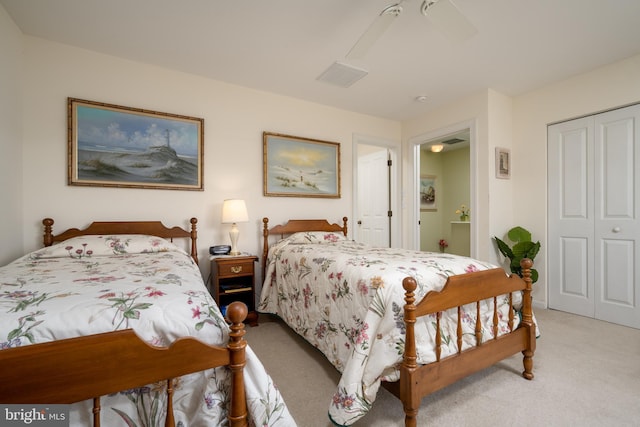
point(587, 373)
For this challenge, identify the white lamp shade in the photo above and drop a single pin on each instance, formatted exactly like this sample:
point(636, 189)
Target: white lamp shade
point(234, 210)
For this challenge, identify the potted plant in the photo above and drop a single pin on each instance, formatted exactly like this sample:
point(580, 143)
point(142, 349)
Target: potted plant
point(523, 248)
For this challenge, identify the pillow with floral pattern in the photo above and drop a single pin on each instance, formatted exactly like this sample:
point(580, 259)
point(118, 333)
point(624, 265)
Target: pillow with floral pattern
point(321, 237)
point(106, 245)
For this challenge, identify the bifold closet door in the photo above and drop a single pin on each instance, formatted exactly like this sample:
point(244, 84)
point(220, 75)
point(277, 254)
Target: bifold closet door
point(594, 191)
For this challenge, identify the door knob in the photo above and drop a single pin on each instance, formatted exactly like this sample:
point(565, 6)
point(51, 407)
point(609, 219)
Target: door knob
point(616, 229)
point(359, 222)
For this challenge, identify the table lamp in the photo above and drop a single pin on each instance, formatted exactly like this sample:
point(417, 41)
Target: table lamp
point(234, 211)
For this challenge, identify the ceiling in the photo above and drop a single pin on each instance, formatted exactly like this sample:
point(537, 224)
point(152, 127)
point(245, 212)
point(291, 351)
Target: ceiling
point(282, 46)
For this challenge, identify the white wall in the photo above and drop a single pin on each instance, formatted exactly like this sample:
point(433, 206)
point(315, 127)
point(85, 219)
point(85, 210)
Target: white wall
point(11, 196)
point(235, 118)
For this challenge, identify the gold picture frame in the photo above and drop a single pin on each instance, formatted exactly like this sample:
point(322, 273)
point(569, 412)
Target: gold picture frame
point(115, 146)
point(300, 167)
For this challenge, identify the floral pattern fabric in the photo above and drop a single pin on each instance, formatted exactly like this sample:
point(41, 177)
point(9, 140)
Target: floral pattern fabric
point(101, 284)
point(347, 299)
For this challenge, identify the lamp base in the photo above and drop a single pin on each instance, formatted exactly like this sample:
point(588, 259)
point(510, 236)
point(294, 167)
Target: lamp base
point(233, 235)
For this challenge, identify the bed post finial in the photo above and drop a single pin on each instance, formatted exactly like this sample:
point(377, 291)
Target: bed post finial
point(194, 238)
point(344, 226)
point(48, 236)
point(527, 319)
point(409, 284)
point(409, 364)
point(237, 313)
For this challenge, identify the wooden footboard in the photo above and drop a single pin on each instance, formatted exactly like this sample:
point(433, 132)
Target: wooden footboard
point(417, 381)
point(77, 369)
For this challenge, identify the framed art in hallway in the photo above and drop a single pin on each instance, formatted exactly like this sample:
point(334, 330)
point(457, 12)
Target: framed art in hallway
point(503, 163)
point(300, 167)
point(428, 193)
point(115, 146)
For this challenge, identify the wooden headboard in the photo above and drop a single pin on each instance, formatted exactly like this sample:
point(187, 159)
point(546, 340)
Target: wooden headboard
point(151, 228)
point(295, 226)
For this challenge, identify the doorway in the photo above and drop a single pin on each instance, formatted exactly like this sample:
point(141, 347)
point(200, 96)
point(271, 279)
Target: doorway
point(444, 162)
point(375, 213)
point(451, 168)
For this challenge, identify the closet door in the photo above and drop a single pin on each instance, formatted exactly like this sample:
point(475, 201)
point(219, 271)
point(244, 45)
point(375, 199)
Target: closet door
point(617, 223)
point(571, 217)
point(594, 226)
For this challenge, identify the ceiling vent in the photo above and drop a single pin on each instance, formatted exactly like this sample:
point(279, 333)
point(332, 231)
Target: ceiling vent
point(452, 141)
point(342, 75)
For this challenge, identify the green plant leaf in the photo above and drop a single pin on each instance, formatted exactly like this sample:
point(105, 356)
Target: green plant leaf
point(534, 251)
point(534, 275)
point(523, 248)
point(519, 234)
point(504, 248)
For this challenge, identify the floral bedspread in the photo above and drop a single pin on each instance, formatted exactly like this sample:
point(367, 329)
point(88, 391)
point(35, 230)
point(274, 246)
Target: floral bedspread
point(94, 284)
point(347, 300)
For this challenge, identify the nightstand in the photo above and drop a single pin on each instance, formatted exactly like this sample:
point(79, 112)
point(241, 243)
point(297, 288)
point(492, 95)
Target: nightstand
point(233, 279)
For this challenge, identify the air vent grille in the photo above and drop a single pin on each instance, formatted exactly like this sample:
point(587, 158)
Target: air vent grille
point(342, 75)
point(452, 141)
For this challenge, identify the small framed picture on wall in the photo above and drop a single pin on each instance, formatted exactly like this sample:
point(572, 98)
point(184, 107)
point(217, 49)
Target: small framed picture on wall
point(503, 163)
point(428, 193)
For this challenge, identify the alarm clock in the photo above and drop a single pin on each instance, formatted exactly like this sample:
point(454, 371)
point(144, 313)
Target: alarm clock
point(220, 250)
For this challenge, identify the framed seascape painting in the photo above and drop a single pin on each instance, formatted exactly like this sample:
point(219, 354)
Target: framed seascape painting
point(115, 146)
point(428, 193)
point(300, 167)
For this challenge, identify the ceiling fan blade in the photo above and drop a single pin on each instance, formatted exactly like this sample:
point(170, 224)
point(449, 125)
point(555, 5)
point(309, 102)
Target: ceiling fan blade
point(448, 19)
point(374, 32)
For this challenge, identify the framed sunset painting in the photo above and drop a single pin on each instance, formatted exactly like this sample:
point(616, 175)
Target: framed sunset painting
point(300, 167)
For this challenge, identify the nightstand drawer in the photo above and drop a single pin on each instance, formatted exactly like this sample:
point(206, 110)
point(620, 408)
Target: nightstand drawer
point(238, 268)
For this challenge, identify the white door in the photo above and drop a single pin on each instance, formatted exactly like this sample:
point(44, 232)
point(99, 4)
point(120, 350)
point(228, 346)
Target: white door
point(594, 226)
point(373, 199)
point(571, 217)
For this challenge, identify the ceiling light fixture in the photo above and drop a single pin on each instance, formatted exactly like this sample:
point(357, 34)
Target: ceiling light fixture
point(421, 98)
point(437, 148)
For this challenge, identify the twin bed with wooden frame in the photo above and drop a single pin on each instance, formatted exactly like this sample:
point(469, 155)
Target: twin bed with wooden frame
point(336, 293)
point(118, 311)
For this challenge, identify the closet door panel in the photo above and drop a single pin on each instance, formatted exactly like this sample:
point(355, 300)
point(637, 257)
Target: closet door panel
point(617, 224)
point(571, 228)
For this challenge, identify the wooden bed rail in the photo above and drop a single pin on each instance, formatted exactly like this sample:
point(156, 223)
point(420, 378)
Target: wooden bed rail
point(417, 381)
point(77, 369)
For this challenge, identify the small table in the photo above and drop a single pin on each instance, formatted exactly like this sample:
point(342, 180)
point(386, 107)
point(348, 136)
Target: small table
point(233, 279)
